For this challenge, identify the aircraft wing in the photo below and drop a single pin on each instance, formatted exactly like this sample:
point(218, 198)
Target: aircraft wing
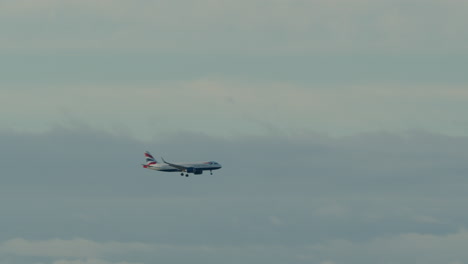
point(179, 167)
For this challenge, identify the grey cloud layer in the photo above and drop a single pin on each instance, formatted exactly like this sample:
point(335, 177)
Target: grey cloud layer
point(401, 249)
point(234, 67)
point(235, 107)
point(276, 200)
point(236, 26)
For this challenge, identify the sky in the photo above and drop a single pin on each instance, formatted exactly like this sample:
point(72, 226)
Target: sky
point(339, 125)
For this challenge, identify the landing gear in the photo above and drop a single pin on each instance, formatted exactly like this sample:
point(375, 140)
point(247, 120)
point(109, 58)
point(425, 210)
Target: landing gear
point(211, 172)
point(186, 175)
point(182, 174)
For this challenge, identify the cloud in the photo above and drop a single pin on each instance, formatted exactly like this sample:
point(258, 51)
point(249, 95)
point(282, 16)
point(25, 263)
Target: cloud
point(91, 252)
point(90, 261)
point(403, 248)
point(81, 195)
point(260, 108)
point(261, 26)
point(78, 248)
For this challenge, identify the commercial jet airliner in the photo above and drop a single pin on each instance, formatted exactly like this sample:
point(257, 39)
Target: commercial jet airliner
point(183, 168)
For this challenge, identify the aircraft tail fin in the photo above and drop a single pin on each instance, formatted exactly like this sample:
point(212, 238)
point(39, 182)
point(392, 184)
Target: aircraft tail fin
point(150, 160)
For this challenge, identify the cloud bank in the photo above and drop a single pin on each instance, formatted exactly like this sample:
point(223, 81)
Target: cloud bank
point(81, 197)
point(237, 26)
point(404, 248)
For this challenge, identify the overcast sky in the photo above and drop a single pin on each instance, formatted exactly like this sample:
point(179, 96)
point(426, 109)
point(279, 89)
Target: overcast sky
point(340, 125)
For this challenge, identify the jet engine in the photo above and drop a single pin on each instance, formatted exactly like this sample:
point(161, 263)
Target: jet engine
point(194, 171)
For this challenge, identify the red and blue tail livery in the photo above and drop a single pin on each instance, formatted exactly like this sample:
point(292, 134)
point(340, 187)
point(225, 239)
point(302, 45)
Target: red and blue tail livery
point(183, 168)
point(150, 160)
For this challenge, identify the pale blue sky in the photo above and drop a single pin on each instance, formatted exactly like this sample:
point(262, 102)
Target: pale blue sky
point(340, 125)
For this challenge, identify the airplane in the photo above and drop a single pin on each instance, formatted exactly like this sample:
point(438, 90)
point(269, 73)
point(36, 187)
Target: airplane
point(183, 168)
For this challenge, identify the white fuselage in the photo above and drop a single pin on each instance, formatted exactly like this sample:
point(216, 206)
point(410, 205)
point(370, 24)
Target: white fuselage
point(183, 168)
point(199, 166)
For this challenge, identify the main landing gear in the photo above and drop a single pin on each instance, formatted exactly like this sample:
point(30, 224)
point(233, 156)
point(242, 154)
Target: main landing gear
point(182, 174)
